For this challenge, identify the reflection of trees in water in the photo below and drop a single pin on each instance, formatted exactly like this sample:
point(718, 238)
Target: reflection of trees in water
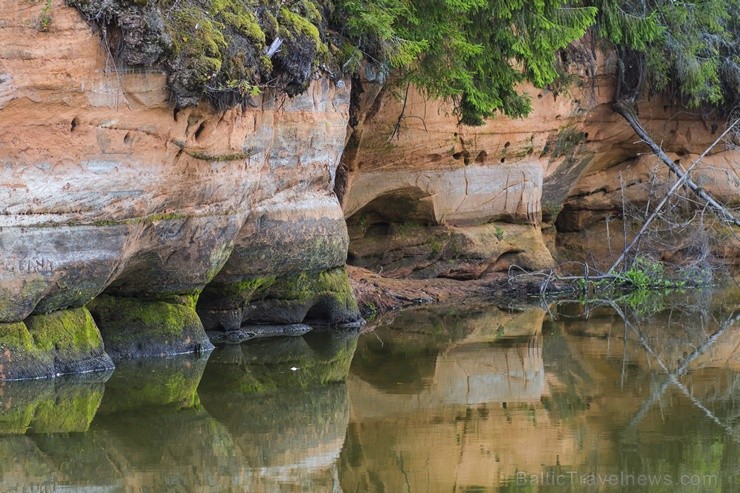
point(728, 395)
point(695, 444)
point(701, 451)
point(672, 376)
point(679, 364)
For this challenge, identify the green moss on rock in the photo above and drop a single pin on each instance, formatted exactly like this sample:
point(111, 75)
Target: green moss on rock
point(19, 356)
point(320, 298)
point(214, 49)
point(46, 345)
point(72, 330)
point(134, 328)
point(238, 294)
point(15, 335)
point(72, 337)
point(295, 25)
point(566, 141)
point(221, 304)
point(307, 285)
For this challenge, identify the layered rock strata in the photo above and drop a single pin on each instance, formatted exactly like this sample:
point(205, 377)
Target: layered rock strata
point(409, 163)
point(105, 189)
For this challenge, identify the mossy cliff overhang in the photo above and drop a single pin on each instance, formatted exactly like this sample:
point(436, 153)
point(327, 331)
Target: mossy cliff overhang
point(224, 51)
point(108, 189)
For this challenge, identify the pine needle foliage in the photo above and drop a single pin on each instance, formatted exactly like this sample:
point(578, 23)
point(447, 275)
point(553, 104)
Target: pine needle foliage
point(473, 52)
point(686, 49)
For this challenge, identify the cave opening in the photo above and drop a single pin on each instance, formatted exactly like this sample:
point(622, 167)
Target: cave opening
point(403, 212)
point(402, 206)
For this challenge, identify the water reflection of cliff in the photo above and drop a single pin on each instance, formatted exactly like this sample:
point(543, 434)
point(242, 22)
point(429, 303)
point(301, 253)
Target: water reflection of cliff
point(288, 435)
point(473, 414)
point(588, 391)
point(488, 356)
point(435, 400)
point(164, 425)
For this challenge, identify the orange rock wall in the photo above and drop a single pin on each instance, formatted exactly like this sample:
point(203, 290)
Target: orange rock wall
point(105, 186)
point(570, 145)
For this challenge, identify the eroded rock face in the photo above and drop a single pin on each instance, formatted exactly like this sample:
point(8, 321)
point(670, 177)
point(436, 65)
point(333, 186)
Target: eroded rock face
point(457, 252)
point(296, 233)
point(409, 161)
point(105, 188)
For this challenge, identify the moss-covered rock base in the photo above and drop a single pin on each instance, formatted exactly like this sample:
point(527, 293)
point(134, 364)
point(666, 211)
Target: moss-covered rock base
point(133, 328)
point(222, 304)
point(47, 345)
point(322, 298)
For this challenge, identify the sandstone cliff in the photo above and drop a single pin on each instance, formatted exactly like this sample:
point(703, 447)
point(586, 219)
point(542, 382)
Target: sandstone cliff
point(115, 203)
point(130, 227)
point(480, 198)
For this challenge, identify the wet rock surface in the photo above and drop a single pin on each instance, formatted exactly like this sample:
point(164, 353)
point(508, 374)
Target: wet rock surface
point(48, 345)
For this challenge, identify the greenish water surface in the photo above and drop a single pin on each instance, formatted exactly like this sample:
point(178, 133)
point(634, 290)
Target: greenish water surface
point(569, 397)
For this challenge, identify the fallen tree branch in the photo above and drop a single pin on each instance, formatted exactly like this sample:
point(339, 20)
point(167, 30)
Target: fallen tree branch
point(626, 113)
point(683, 178)
point(397, 127)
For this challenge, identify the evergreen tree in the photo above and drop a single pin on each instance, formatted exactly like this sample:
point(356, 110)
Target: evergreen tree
point(687, 49)
point(473, 52)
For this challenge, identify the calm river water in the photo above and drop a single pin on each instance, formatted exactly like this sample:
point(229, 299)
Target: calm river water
point(464, 399)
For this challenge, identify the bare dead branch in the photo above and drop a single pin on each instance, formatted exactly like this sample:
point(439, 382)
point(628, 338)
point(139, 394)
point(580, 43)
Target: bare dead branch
point(683, 178)
point(626, 113)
